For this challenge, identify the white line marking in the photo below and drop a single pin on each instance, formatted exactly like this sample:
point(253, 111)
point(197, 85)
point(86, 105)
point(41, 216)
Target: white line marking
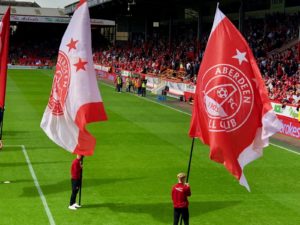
point(44, 201)
point(289, 150)
point(149, 100)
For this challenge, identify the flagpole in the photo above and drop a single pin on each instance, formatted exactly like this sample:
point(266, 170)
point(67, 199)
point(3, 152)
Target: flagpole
point(80, 181)
point(190, 160)
point(189, 167)
point(1, 121)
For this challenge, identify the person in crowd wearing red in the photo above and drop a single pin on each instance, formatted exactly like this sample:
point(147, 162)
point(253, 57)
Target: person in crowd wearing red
point(180, 193)
point(76, 175)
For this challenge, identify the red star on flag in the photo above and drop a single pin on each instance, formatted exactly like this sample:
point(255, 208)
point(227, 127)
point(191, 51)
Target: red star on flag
point(75, 86)
point(72, 44)
point(80, 65)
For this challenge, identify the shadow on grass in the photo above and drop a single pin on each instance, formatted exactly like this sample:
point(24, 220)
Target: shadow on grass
point(163, 212)
point(65, 185)
point(12, 133)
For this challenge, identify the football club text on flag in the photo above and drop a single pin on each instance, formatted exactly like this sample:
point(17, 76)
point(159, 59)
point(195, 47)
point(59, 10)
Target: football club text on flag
point(232, 113)
point(75, 99)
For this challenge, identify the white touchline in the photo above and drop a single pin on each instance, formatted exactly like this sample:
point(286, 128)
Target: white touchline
point(44, 201)
point(289, 150)
point(149, 100)
point(178, 110)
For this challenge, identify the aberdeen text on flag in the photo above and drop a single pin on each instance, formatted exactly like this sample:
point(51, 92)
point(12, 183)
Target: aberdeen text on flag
point(232, 113)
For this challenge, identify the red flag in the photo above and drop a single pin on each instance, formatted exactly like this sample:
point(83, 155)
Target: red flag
point(75, 99)
point(4, 44)
point(232, 113)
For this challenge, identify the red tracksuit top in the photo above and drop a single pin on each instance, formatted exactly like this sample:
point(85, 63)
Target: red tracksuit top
point(76, 169)
point(180, 192)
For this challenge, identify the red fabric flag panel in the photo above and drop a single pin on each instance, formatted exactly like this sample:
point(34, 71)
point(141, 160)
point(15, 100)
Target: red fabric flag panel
point(232, 113)
point(4, 48)
point(75, 99)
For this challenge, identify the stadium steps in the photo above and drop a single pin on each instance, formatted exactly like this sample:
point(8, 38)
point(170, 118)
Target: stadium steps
point(284, 47)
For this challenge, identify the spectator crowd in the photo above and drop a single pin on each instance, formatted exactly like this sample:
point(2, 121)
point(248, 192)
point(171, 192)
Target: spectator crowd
point(272, 39)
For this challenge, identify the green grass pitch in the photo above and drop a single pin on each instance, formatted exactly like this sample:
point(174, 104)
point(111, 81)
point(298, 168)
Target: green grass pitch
point(128, 180)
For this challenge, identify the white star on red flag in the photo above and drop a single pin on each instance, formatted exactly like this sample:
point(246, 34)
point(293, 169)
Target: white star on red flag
point(241, 56)
point(232, 112)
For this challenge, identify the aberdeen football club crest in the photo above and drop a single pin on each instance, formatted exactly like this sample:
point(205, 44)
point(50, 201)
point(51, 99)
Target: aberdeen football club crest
point(228, 97)
point(60, 84)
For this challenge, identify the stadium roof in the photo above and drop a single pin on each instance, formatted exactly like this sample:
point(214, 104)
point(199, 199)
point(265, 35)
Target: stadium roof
point(45, 15)
point(113, 8)
point(18, 3)
point(162, 8)
point(34, 11)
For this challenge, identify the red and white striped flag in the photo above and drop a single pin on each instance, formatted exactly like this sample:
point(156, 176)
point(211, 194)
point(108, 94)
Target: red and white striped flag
point(75, 99)
point(232, 113)
point(4, 48)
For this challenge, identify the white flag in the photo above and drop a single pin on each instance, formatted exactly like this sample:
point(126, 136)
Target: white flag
point(75, 99)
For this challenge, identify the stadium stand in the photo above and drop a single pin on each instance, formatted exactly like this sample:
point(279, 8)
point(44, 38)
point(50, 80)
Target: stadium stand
point(180, 61)
point(273, 39)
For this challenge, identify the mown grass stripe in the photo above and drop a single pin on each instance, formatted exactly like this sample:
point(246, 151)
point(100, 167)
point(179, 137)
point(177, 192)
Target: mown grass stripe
point(36, 183)
point(186, 113)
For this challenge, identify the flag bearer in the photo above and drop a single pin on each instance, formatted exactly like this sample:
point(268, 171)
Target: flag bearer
point(76, 175)
point(180, 192)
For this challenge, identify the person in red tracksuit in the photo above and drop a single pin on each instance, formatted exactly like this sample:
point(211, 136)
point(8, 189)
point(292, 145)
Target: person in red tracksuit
point(180, 193)
point(76, 172)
